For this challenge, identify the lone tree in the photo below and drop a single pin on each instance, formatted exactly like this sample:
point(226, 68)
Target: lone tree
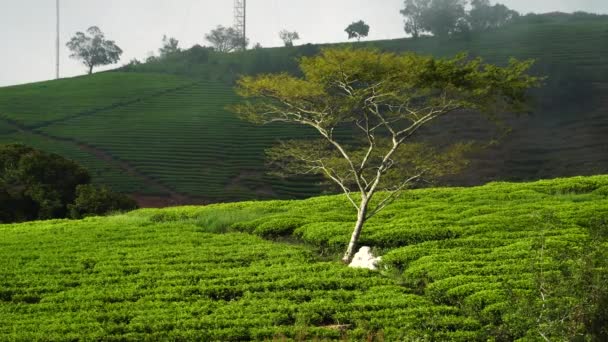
point(288, 37)
point(385, 98)
point(170, 47)
point(226, 39)
point(357, 30)
point(93, 49)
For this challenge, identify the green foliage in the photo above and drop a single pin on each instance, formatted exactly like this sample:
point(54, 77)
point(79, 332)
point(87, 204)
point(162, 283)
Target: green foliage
point(386, 99)
point(446, 17)
point(469, 83)
point(357, 30)
point(93, 50)
point(406, 77)
point(413, 12)
point(278, 227)
point(569, 303)
point(36, 185)
point(442, 17)
point(94, 201)
point(474, 271)
point(484, 16)
point(226, 39)
point(288, 37)
point(169, 47)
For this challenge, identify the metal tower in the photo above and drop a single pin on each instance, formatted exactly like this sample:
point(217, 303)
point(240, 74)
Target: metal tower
point(240, 18)
point(57, 42)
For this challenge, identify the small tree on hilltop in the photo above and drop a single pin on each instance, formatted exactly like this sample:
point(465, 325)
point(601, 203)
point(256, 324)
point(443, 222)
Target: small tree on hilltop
point(93, 49)
point(170, 46)
point(385, 98)
point(226, 39)
point(357, 30)
point(288, 37)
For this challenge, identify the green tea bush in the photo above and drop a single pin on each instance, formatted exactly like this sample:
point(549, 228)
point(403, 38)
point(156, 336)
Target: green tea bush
point(160, 274)
point(408, 235)
point(601, 191)
point(576, 185)
point(92, 200)
point(331, 235)
point(281, 226)
point(169, 216)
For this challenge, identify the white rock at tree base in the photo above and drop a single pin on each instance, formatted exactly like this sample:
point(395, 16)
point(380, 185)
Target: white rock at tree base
point(364, 259)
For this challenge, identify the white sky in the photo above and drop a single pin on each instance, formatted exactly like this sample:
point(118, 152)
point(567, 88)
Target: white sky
point(27, 27)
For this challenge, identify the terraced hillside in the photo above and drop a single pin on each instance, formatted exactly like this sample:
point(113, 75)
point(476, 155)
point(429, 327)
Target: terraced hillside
point(166, 135)
point(499, 262)
point(161, 129)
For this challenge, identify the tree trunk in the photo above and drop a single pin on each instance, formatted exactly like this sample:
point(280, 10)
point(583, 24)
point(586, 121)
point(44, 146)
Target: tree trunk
point(352, 245)
point(90, 69)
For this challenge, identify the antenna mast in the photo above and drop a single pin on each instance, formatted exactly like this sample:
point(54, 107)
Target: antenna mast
point(240, 19)
point(57, 52)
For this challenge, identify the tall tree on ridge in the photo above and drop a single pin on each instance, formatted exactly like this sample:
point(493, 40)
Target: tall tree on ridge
point(93, 50)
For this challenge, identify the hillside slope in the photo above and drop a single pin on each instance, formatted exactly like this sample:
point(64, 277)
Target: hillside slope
point(165, 136)
point(161, 128)
point(498, 262)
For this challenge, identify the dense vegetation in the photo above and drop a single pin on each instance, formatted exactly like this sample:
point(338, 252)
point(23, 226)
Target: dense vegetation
point(502, 261)
point(161, 128)
point(39, 185)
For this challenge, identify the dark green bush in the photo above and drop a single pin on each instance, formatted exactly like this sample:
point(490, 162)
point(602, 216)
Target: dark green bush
point(93, 201)
point(601, 191)
point(279, 226)
point(35, 184)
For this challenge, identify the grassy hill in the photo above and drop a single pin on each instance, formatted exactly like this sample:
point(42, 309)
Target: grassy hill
point(160, 129)
point(164, 135)
point(498, 262)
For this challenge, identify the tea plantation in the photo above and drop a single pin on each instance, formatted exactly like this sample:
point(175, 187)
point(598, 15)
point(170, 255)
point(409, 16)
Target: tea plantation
point(502, 262)
point(172, 130)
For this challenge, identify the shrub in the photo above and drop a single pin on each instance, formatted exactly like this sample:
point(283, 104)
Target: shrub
point(279, 226)
point(35, 184)
point(601, 191)
point(93, 201)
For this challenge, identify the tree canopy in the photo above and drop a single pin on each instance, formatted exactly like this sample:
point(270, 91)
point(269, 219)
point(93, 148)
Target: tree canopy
point(288, 37)
point(170, 46)
point(93, 49)
point(37, 185)
point(442, 17)
point(384, 99)
point(413, 12)
point(446, 17)
point(226, 39)
point(483, 16)
point(357, 30)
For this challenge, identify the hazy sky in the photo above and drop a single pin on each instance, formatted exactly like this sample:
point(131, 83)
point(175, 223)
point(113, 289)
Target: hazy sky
point(27, 27)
